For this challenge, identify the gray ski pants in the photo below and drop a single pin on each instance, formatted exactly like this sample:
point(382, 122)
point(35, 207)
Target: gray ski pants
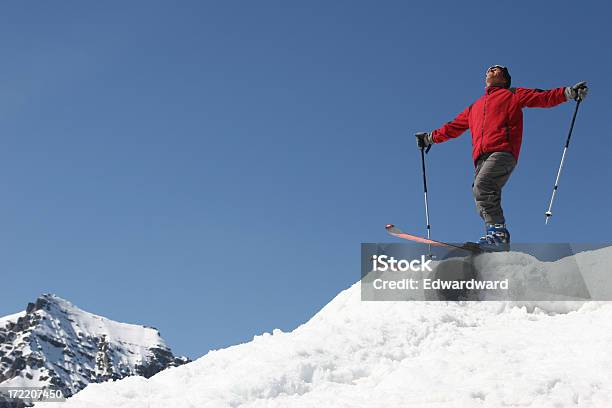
point(492, 172)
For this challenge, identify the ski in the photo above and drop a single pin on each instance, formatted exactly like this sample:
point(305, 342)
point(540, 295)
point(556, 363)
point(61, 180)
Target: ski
point(468, 246)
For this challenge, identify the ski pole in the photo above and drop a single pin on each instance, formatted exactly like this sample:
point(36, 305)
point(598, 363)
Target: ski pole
point(567, 142)
point(423, 151)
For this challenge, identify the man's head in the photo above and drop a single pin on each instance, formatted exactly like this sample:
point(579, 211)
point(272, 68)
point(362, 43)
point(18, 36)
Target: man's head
point(498, 75)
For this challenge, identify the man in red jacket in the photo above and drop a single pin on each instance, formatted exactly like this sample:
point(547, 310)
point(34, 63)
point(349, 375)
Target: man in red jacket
point(495, 121)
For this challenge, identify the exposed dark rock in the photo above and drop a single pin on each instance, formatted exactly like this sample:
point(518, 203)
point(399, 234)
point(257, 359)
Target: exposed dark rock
point(52, 341)
point(35, 361)
point(161, 360)
point(42, 303)
point(30, 307)
point(11, 403)
point(19, 363)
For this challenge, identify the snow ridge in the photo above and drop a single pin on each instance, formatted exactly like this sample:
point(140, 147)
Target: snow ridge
point(399, 354)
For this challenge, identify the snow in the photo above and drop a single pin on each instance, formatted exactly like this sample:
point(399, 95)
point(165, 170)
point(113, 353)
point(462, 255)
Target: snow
point(10, 318)
point(404, 354)
point(76, 319)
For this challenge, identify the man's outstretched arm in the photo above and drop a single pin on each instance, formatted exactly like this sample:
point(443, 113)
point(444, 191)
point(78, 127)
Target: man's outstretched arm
point(538, 98)
point(452, 129)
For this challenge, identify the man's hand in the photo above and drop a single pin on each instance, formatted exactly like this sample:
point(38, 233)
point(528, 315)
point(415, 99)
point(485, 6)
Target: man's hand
point(578, 91)
point(424, 140)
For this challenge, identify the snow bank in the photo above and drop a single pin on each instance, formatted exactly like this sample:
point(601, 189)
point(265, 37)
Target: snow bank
point(398, 354)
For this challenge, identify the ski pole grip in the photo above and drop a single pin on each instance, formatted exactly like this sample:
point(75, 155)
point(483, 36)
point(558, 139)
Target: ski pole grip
point(420, 141)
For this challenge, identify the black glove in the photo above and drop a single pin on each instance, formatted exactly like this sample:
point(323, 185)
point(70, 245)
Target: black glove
point(578, 91)
point(424, 140)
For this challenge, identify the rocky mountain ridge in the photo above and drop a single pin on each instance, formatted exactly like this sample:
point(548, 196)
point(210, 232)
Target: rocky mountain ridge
point(54, 344)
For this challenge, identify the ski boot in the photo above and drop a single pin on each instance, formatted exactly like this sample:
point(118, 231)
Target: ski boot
point(496, 240)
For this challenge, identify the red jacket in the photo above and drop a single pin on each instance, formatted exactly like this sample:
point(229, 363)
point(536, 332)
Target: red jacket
point(496, 119)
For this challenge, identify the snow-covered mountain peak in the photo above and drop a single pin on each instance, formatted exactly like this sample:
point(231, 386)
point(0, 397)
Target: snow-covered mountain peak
point(55, 343)
point(81, 322)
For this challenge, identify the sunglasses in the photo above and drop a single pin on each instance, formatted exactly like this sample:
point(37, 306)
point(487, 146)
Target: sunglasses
point(496, 66)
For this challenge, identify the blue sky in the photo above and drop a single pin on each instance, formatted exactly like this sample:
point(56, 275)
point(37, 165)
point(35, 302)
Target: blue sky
point(211, 168)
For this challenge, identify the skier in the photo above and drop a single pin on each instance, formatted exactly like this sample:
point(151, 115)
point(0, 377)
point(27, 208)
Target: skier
point(495, 121)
